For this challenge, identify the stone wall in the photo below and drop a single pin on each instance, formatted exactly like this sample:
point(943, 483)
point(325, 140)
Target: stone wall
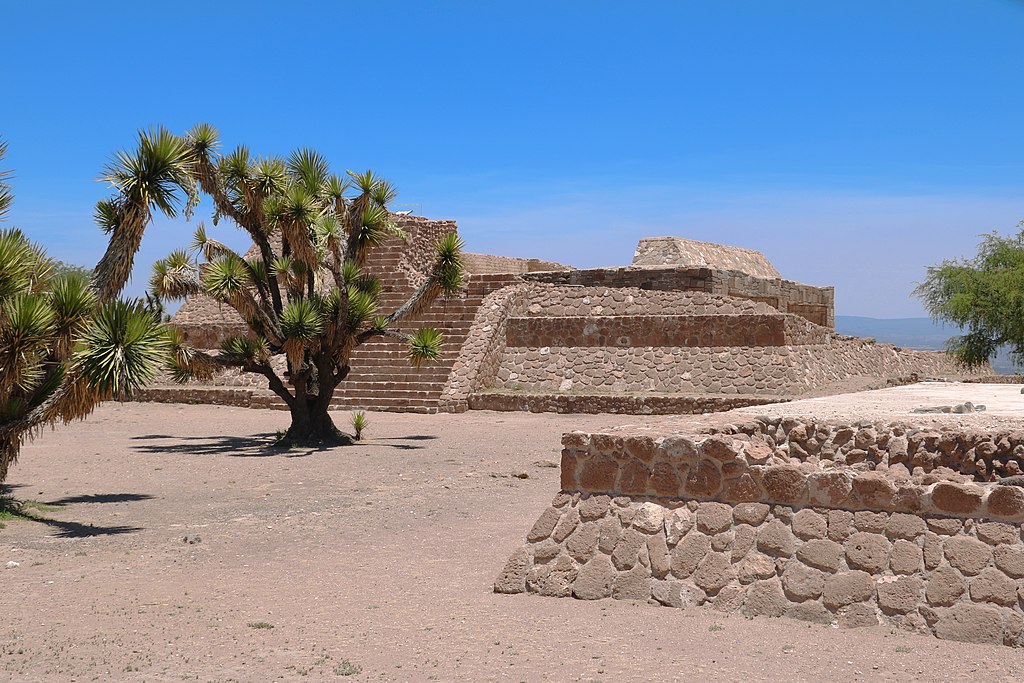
point(678, 251)
point(850, 525)
point(763, 370)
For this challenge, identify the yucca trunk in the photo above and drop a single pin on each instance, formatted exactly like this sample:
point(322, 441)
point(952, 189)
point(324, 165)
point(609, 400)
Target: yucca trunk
point(311, 422)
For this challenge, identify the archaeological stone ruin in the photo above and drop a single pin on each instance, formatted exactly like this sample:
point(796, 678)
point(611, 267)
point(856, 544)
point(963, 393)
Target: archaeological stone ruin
point(851, 524)
point(687, 327)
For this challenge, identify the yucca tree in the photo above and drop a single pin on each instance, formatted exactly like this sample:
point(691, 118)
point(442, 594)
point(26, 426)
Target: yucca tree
point(62, 349)
point(305, 296)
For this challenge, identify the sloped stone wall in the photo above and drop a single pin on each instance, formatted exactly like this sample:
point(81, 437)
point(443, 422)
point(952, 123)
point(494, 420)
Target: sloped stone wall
point(851, 525)
point(679, 251)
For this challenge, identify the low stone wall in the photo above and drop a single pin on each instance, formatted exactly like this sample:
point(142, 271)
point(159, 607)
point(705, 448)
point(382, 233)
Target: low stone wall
point(763, 370)
point(562, 300)
point(852, 525)
point(643, 404)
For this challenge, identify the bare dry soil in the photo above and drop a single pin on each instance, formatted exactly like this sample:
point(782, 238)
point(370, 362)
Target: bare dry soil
point(171, 544)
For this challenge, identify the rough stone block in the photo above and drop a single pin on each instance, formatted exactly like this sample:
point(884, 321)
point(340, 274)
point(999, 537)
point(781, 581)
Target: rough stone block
point(743, 541)
point(857, 616)
point(970, 623)
point(513, 577)
point(677, 593)
point(766, 599)
point(714, 518)
point(755, 566)
point(871, 522)
point(847, 588)
point(1010, 559)
point(543, 527)
point(688, 554)
point(866, 551)
point(821, 554)
point(649, 518)
point(991, 585)
point(566, 525)
point(811, 611)
point(908, 527)
point(801, 582)
point(582, 544)
point(657, 550)
point(714, 572)
point(785, 484)
point(1006, 502)
point(906, 557)
point(750, 513)
point(594, 507)
point(677, 523)
point(967, 554)
point(945, 526)
point(665, 480)
point(627, 550)
point(995, 533)
point(775, 539)
point(961, 499)
point(704, 479)
point(599, 474)
point(634, 584)
point(611, 532)
point(808, 524)
point(874, 489)
point(839, 522)
point(594, 580)
point(899, 595)
point(742, 489)
point(945, 586)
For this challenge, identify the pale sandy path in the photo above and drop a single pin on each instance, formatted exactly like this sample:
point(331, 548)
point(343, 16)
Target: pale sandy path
point(382, 554)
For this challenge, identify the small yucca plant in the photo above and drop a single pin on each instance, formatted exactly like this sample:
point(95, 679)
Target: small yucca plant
point(359, 423)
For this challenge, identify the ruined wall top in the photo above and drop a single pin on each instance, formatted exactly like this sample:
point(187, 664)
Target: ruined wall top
point(679, 251)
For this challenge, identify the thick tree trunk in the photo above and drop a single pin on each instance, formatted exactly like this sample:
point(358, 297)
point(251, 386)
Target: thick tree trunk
point(312, 426)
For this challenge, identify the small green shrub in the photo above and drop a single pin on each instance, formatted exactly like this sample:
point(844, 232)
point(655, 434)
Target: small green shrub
point(359, 423)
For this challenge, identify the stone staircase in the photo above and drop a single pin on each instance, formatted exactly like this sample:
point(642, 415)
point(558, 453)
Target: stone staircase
point(382, 378)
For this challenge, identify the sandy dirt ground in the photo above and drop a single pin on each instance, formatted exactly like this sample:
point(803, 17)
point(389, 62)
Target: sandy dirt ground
point(368, 563)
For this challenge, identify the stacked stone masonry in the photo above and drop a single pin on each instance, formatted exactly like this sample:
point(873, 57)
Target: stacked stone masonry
point(844, 524)
point(678, 251)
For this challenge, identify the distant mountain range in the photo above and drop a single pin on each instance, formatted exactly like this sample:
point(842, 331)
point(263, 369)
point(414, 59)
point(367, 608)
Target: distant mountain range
point(911, 333)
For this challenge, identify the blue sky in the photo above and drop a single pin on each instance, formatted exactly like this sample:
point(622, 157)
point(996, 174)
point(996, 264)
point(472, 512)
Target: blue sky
point(853, 142)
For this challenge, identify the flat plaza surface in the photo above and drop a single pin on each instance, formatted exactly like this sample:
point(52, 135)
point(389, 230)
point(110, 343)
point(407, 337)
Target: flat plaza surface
point(378, 557)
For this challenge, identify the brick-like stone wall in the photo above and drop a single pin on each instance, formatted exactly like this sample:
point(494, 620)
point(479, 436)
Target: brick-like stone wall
point(489, 263)
point(648, 330)
point(852, 525)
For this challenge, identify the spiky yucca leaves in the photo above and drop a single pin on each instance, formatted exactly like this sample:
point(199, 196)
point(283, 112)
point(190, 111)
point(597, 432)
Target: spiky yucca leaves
point(6, 197)
point(122, 349)
point(61, 352)
point(157, 175)
point(424, 346)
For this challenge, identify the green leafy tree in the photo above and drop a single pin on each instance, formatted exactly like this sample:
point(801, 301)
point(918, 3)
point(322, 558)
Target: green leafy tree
point(305, 295)
point(63, 349)
point(984, 297)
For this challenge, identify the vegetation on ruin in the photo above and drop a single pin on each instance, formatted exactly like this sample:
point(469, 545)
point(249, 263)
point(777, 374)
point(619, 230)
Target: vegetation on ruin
point(983, 296)
point(304, 295)
point(64, 348)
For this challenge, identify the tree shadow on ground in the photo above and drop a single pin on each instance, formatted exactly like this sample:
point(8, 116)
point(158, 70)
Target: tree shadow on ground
point(255, 446)
point(100, 498)
point(25, 511)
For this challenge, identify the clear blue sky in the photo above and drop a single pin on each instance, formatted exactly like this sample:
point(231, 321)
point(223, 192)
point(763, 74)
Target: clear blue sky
point(853, 142)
